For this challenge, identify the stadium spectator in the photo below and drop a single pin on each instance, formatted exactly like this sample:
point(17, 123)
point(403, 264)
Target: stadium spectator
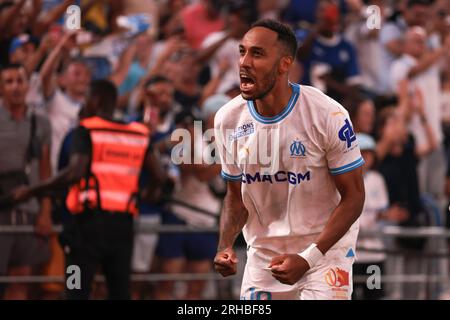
point(399, 157)
point(362, 113)
point(421, 68)
point(102, 196)
point(201, 19)
point(158, 114)
point(366, 40)
point(193, 204)
point(65, 95)
point(220, 47)
point(376, 212)
point(329, 61)
point(26, 135)
point(415, 13)
point(134, 64)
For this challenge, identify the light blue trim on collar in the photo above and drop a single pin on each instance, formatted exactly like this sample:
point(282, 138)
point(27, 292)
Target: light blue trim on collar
point(283, 114)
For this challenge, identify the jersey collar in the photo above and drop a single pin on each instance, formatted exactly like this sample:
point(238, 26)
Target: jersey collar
point(283, 114)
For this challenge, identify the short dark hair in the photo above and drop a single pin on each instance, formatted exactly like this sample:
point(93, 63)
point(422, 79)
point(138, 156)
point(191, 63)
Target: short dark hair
point(74, 60)
point(246, 11)
point(352, 103)
point(156, 79)
point(12, 66)
point(106, 91)
point(284, 32)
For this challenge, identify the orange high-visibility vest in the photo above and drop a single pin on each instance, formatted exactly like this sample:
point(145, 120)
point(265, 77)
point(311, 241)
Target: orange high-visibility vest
point(118, 152)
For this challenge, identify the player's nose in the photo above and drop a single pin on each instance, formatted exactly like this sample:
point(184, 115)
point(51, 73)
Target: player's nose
point(245, 60)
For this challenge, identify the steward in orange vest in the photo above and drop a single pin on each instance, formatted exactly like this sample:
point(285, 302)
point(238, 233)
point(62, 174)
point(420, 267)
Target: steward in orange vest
point(105, 162)
point(118, 152)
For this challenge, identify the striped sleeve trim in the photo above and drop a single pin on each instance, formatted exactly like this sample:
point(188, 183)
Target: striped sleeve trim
point(230, 177)
point(348, 167)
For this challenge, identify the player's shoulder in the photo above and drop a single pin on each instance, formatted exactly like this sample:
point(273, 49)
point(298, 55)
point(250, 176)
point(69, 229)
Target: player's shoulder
point(319, 102)
point(229, 113)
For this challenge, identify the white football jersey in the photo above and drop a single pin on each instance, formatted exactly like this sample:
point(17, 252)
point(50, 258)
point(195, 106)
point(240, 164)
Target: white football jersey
point(286, 164)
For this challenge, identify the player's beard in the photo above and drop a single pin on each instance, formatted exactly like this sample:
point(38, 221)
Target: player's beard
point(267, 83)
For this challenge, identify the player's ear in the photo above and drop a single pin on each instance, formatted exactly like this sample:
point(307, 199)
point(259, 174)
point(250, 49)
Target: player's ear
point(285, 64)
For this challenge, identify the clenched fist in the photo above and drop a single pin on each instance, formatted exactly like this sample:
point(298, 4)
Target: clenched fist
point(288, 268)
point(225, 262)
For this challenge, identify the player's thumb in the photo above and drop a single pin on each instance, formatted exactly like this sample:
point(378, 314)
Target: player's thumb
point(233, 258)
point(277, 260)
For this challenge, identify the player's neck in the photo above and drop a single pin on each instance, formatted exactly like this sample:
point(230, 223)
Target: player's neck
point(274, 102)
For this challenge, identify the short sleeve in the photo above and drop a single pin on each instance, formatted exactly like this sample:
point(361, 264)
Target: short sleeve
point(81, 142)
point(342, 150)
point(230, 170)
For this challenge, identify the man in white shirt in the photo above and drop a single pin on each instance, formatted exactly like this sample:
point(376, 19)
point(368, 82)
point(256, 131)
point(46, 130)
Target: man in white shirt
point(299, 213)
point(421, 68)
point(63, 102)
point(221, 46)
point(415, 13)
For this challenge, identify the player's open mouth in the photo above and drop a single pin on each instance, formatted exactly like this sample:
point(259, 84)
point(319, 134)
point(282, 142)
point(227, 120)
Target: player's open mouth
point(247, 82)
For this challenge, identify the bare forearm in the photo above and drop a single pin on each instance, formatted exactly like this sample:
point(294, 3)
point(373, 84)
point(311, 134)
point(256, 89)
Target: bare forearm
point(9, 17)
point(37, 7)
point(125, 62)
point(305, 49)
point(351, 188)
point(42, 26)
point(31, 64)
point(64, 179)
point(340, 221)
point(233, 218)
point(49, 68)
point(206, 54)
point(426, 63)
point(46, 206)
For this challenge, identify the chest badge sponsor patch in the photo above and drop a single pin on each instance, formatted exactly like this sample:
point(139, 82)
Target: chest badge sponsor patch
point(242, 131)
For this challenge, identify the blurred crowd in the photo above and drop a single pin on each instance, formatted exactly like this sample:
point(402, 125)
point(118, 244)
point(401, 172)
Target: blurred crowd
point(176, 61)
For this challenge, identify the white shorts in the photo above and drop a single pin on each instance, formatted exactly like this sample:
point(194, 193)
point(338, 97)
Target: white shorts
point(145, 244)
point(330, 279)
